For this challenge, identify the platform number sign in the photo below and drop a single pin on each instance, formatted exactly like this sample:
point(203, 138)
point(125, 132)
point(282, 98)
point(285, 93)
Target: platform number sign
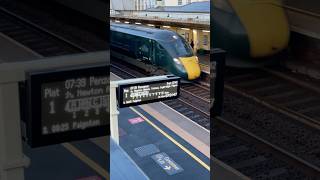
point(67, 105)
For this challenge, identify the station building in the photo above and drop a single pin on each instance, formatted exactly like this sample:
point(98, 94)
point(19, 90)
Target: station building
point(191, 21)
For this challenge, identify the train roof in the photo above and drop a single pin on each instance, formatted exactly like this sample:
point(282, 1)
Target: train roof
point(147, 32)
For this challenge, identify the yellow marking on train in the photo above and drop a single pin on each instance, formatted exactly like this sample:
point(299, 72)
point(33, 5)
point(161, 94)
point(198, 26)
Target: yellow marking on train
point(191, 64)
point(75, 151)
point(172, 140)
point(266, 25)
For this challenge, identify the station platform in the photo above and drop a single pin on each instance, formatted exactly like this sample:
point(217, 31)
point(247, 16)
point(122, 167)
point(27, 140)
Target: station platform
point(303, 17)
point(149, 143)
point(81, 160)
point(123, 168)
point(163, 143)
point(307, 5)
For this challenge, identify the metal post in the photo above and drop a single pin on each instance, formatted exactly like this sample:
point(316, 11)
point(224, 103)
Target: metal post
point(12, 159)
point(218, 57)
point(114, 112)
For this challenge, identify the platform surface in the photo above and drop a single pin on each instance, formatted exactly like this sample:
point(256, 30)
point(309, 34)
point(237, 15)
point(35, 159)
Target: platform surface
point(164, 143)
point(306, 5)
point(158, 151)
point(81, 160)
point(123, 167)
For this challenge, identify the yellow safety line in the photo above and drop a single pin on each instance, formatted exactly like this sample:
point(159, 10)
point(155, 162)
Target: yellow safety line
point(87, 160)
point(172, 140)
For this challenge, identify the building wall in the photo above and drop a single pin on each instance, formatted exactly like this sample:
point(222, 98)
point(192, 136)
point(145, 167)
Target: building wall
point(204, 17)
point(132, 4)
point(122, 4)
point(144, 4)
point(179, 2)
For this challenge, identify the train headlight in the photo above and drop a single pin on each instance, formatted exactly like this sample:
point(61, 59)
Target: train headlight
point(177, 61)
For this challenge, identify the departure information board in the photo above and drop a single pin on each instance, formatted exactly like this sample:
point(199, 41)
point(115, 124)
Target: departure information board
point(72, 104)
point(147, 92)
point(68, 105)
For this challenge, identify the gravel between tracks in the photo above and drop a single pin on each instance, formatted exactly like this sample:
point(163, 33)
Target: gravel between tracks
point(274, 127)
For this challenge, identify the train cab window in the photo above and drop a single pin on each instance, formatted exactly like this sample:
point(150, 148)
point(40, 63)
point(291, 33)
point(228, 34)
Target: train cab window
point(160, 47)
point(180, 47)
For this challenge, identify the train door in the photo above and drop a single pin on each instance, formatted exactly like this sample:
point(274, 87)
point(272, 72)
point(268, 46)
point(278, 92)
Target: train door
point(153, 52)
point(160, 55)
point(144, 50)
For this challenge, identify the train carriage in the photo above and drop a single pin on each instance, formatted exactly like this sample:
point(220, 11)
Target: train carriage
point(161, 48)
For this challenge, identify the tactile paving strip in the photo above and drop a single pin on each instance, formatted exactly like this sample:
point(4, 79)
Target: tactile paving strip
point(147, 150)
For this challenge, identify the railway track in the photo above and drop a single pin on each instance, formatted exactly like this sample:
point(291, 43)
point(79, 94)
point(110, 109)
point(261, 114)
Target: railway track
point(297, 102)
point(35, 37)
point(253, 156)
point(284, 94)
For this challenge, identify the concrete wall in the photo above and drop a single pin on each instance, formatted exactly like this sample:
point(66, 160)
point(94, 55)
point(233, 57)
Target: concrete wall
point(175, 2)
point(132, 4)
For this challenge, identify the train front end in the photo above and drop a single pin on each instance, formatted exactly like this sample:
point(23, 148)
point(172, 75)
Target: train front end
point(185, 63)
point(250, 28)
point(191, 66)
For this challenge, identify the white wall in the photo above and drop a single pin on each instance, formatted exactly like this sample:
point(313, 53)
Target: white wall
point(175, 2)
point(143, 4)
point(122, 4)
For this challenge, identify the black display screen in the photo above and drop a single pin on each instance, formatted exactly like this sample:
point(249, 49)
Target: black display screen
point(147, 92)
point(72, 104)
point(68, 105)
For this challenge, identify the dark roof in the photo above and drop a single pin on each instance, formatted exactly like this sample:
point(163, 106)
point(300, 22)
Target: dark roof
point(203, 6)
point(147, 32)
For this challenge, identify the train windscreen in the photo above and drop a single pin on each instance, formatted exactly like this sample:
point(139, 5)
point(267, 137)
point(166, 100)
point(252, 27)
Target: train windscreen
point(180, 48)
